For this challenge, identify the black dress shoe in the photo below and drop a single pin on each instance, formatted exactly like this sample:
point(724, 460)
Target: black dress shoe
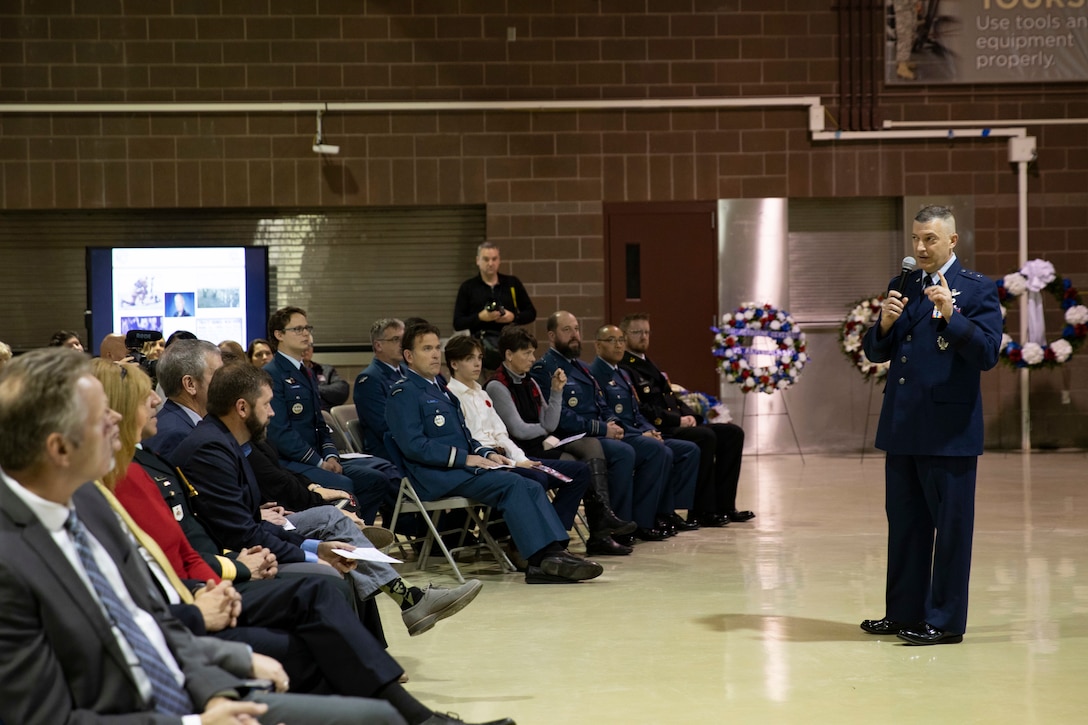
point(665, 527)
point(627, 540)
point(449, 718)
point(741, 516)
point(883, 626)
point(925, 634)
point(650, 534)
point(679, 524)
point(565, 565)
point(708, 521)
point(606, 546)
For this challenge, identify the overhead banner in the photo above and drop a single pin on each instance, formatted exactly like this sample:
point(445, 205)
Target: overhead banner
point(986, 41)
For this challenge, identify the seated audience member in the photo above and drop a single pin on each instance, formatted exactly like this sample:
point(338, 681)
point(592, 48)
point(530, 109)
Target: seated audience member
point(299, 431)
point(721, 445)
point(530, 421)
point(464, 358)
point(332, 389)
point(373, 385)
point(636, 471)
point(5, 353)
point(113, 348)
point(85, 635)
point(184, 371)
point(426, 424)
point(259, 352)
point(232, 352)
point(621, 397)
point(66, 338)
point(214, 460)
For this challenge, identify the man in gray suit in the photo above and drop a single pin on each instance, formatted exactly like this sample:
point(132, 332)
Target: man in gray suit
point(83, 635)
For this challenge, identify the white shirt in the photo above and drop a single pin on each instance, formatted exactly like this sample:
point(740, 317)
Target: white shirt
point(53, 516)
point(483, 422)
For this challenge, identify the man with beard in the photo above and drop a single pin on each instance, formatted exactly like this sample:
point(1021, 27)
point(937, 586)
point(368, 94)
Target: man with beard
point(636, 471)
point(214, 460)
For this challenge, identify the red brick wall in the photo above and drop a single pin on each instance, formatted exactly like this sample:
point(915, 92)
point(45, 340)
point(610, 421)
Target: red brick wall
point(542, 175)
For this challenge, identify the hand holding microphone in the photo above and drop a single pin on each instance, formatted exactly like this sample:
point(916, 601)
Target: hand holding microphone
point(895, 302)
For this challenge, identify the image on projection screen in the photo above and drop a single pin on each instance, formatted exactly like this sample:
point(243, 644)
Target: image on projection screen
point(173, 288)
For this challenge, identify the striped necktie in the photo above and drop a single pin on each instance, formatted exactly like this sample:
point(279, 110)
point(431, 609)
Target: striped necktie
point(169, 698)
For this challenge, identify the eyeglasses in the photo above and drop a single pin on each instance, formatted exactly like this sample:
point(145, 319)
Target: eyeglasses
point(610, 340)
point(639, 333)
point(389, 339)
point(300, 329)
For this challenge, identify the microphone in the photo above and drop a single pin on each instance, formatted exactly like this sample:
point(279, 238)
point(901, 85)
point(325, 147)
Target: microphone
point(909, 265)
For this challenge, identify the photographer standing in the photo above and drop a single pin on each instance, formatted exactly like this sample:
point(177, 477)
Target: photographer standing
point(489, 301)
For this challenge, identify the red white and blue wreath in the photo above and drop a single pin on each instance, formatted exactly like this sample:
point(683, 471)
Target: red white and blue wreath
point(761, 349)
point(1037, 276)
point(863, 316)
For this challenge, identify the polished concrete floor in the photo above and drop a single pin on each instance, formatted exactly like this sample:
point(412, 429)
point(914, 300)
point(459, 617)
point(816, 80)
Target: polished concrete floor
point(758, 622)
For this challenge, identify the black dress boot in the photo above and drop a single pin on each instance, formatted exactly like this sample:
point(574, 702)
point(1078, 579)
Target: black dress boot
point(600, 517)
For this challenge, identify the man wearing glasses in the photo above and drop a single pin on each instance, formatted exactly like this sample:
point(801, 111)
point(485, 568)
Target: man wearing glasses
point(373, 385)
point(721, 444)
point(298, 430)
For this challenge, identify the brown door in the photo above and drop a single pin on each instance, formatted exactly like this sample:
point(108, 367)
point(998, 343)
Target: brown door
point(661, 259)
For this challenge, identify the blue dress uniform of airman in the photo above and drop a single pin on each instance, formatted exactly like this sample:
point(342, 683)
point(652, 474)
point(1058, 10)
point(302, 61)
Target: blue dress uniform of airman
point(427, 425)
point(931, 427)
point(371, 393)
point(635, 480)
point(621, 397)
point(299, 432)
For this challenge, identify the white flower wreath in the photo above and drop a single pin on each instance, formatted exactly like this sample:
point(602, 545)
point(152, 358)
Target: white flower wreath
point(781, 344)
point(1037, 276)
point(863, 316)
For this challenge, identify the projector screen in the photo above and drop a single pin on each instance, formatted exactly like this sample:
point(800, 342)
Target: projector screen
point(217, 293)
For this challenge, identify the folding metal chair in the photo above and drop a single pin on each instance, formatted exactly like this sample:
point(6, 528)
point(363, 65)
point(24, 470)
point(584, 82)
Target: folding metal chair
point(343, 415)
point(408, 501)
point(338, 437)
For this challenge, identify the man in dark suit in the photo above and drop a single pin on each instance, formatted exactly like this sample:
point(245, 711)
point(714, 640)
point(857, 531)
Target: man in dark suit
point(721, 445)
point(298, 429)
point(443, 459)
point(374, 384)
point(180, 310)
point(185, 371)
point(82, 632)
point(939, 333)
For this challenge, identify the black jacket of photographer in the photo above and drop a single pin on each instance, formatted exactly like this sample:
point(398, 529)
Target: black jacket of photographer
point(475, 294)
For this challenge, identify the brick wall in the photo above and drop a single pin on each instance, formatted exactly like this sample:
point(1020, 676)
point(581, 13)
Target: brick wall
point(543, 176)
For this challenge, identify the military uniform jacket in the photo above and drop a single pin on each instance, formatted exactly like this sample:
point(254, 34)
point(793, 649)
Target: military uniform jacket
point(371, 394)
point(584, 409)
point(429, 429)
point(655, 397)
point(932, 403)
point(298, 429)
point(621, 397)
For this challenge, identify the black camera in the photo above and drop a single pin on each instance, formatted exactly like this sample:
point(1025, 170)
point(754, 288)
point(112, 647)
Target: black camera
point(494, 306)
point(135, 341)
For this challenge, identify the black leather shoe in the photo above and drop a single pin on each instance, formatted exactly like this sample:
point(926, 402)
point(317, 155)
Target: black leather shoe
point(883, 626)
point(449, 718)
point(924, 634)
point(627, 540)
point(741, 516)
point(650, 534)
point(708, 521)
point(679, 524)
point(665, 527)
point(567, 566)
point(606, 546)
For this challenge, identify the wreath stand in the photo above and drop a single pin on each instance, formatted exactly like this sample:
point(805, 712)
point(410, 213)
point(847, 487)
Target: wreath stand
point(868, 415)
point(789, 418)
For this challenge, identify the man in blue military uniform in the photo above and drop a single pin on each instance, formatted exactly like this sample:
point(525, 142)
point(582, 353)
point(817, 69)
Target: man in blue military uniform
point(620, 396)
point(374, 384)
point(443, 459)
point(636, 476)
point(939, 333)
point(298, 429)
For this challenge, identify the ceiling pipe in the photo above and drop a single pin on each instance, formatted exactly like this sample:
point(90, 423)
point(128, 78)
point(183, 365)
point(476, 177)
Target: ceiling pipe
point(989, 123)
